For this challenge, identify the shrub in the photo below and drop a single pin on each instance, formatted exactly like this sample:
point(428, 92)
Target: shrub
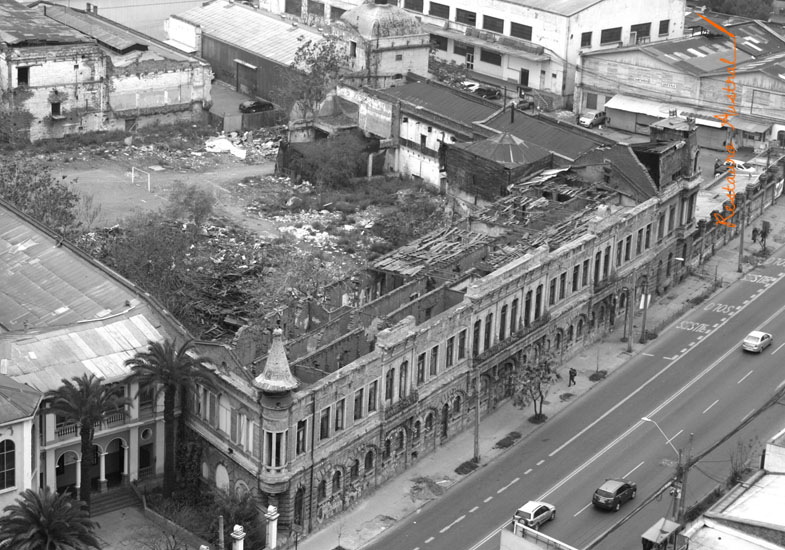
point(466, 467)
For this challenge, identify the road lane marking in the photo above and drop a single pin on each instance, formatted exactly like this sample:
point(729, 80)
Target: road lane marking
point(429, 540)
point(652, 355)
point(710, 406)
point(487, 500)
point(776, 350)
point(474, 509)
point(630, 472)
point(743, 378)
point(540, 462)
point(527, 472)
point(446, 528)
point(746, 415)
point(581, 510)
point(671, 358)
point(664, 404)
point(662, 371)
point(516, 480)
point(669, 441)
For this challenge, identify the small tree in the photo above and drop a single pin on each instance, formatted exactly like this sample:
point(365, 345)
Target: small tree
point(191, 203)
point(533, 384)
point(310, 76)
point(449, 73)
point(331, 162)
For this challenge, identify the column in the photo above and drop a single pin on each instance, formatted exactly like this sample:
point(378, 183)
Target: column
point(50, 475)
point(133, 410)
point(133, 454)
point(272, 527)
point(126, 458)
point(160, 445)
point(102, 475)
point(238, 534)
point(78, 484)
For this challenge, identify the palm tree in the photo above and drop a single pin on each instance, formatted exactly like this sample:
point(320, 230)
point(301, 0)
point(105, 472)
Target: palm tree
point(43, 520)
point(170, 369)
point(85, 402)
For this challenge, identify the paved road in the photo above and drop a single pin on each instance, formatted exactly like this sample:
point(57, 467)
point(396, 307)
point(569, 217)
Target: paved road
point(693, 378)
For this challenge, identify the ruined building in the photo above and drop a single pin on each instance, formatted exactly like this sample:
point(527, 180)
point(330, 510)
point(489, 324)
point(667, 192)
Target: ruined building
point(327, 416)
point(65, 72)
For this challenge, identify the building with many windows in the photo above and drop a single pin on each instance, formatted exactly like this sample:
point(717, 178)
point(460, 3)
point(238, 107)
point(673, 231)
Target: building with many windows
point(319, 421)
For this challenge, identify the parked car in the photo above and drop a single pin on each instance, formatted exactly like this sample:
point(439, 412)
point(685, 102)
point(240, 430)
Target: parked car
point(533, 514)
point(256, 106)
point(469, 85)
point(613, 493)
point(757, 341)
point(590, 119)
point(741, 166)
point(488, 92)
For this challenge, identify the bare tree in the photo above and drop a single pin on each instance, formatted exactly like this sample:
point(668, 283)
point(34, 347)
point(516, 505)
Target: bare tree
point(533, 383)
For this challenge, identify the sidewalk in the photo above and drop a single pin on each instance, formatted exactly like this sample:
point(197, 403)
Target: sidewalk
point(435, 474)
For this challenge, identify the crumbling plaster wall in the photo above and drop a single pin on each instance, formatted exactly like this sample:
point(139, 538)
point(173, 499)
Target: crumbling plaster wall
point(156, 84)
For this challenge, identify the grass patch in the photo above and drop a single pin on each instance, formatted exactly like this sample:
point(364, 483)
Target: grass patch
point(538, 418)
point(598, 375)
point(507, 441)
point(466, 467)
point(566, 396)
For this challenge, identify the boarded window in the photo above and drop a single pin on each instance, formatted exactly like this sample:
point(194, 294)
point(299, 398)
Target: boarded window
point(492, 58)
point(414, 5)
point(466, 17)
point(665, 26)
point(642, 30)
point(459, 48)
point(23, 76)
point(439, 42)
point(610, 36)
point(315, 8)
point(521, 31)
point(293, 7)
point(492, 24)
point(586, 40)
point(439, 10)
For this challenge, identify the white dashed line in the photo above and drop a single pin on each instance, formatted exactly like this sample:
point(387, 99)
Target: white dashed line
point(540, 462)
point(743, 378)
point(487, 500)
point(474, 509)
point(747, 415)
point(581, 510)
point(630, 472)
point(781, 384)
point(516, 480)
point(648, 354)
point(669, 441)
point(670, 358)
point(710, 406)
point(446, 528)
point(683, 350)
point(527, 472)
point(776, 350)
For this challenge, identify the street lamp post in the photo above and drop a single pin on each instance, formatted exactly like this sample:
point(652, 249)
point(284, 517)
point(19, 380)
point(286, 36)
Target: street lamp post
point(680, 482)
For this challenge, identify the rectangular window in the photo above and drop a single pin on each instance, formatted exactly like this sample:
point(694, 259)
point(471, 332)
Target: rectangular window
point(648, 236)
point(302, 430)
point(421, 368)
point(619, 247)
point(459, 48)
point(665, 26)
point(339, 410)
point(358, 404)
point(503, 323)
point(434, 360)
point(642, 31)
point(257, 440)
point(609, 36)
point(449, 351)
point(56, 109)
point(324, 424)
point(399, 57)
point(628, 248)
point(671, 219)
point(492, 58)
point(591, 100)
point(661, 228)
point(315, 8)
point(562, 285)
point(461, 345)
point(488, 330)
point(521, 31)
point(606, 264)
point(441, 11)
point(414, 5)
point(389, 385)
point(476, 336)
point(576, 277)
point(439, 42)
point(639, 243)
point(233, 421)
point(493, 24)
point(372, 390)
point(514, 317)
point(23, 76)
point(353, 49)
point(585, 272)
point(586, 40)
point(466, 17)
point(552, 293)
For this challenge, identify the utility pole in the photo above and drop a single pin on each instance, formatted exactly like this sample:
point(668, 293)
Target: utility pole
point(676, 489)
point(477, 410)
point(741, 231)
point(684, 471)
point(645, 308)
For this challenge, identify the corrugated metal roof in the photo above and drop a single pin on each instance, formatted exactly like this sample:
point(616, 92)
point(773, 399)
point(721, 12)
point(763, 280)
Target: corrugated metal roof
point(45, 285)
point(17, 401)
point(560, 7)
point(443, 101)
point(20, 25)
point(251, 30)
point(505, 149)
point(42, 359)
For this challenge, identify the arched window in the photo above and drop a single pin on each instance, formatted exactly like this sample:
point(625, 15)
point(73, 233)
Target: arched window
point(402, 379)
point(321, 491)
point(429, 422)
point(388, 385)
point(355, 471)
point(416, 431)
point(299, 506)
point(669, 265)
point(579, 331)
point(399, 441)
point(387, 449)
point(369, 461)
point(7, 464)
point(457, 405)
point(337, 482)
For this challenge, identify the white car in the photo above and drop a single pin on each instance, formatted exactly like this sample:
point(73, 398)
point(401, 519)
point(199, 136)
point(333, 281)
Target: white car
point(590, 119)
point(757, 341)
point(533, 514)
point(741, 167)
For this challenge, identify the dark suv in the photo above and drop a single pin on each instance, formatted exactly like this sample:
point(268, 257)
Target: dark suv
point(613, 493)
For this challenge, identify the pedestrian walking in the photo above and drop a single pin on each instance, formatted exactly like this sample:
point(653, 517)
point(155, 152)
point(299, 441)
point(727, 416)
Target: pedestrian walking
point(754, 234)
point(573, 374)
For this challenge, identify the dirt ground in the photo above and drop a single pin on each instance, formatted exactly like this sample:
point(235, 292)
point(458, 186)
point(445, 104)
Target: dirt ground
point(110, 184)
